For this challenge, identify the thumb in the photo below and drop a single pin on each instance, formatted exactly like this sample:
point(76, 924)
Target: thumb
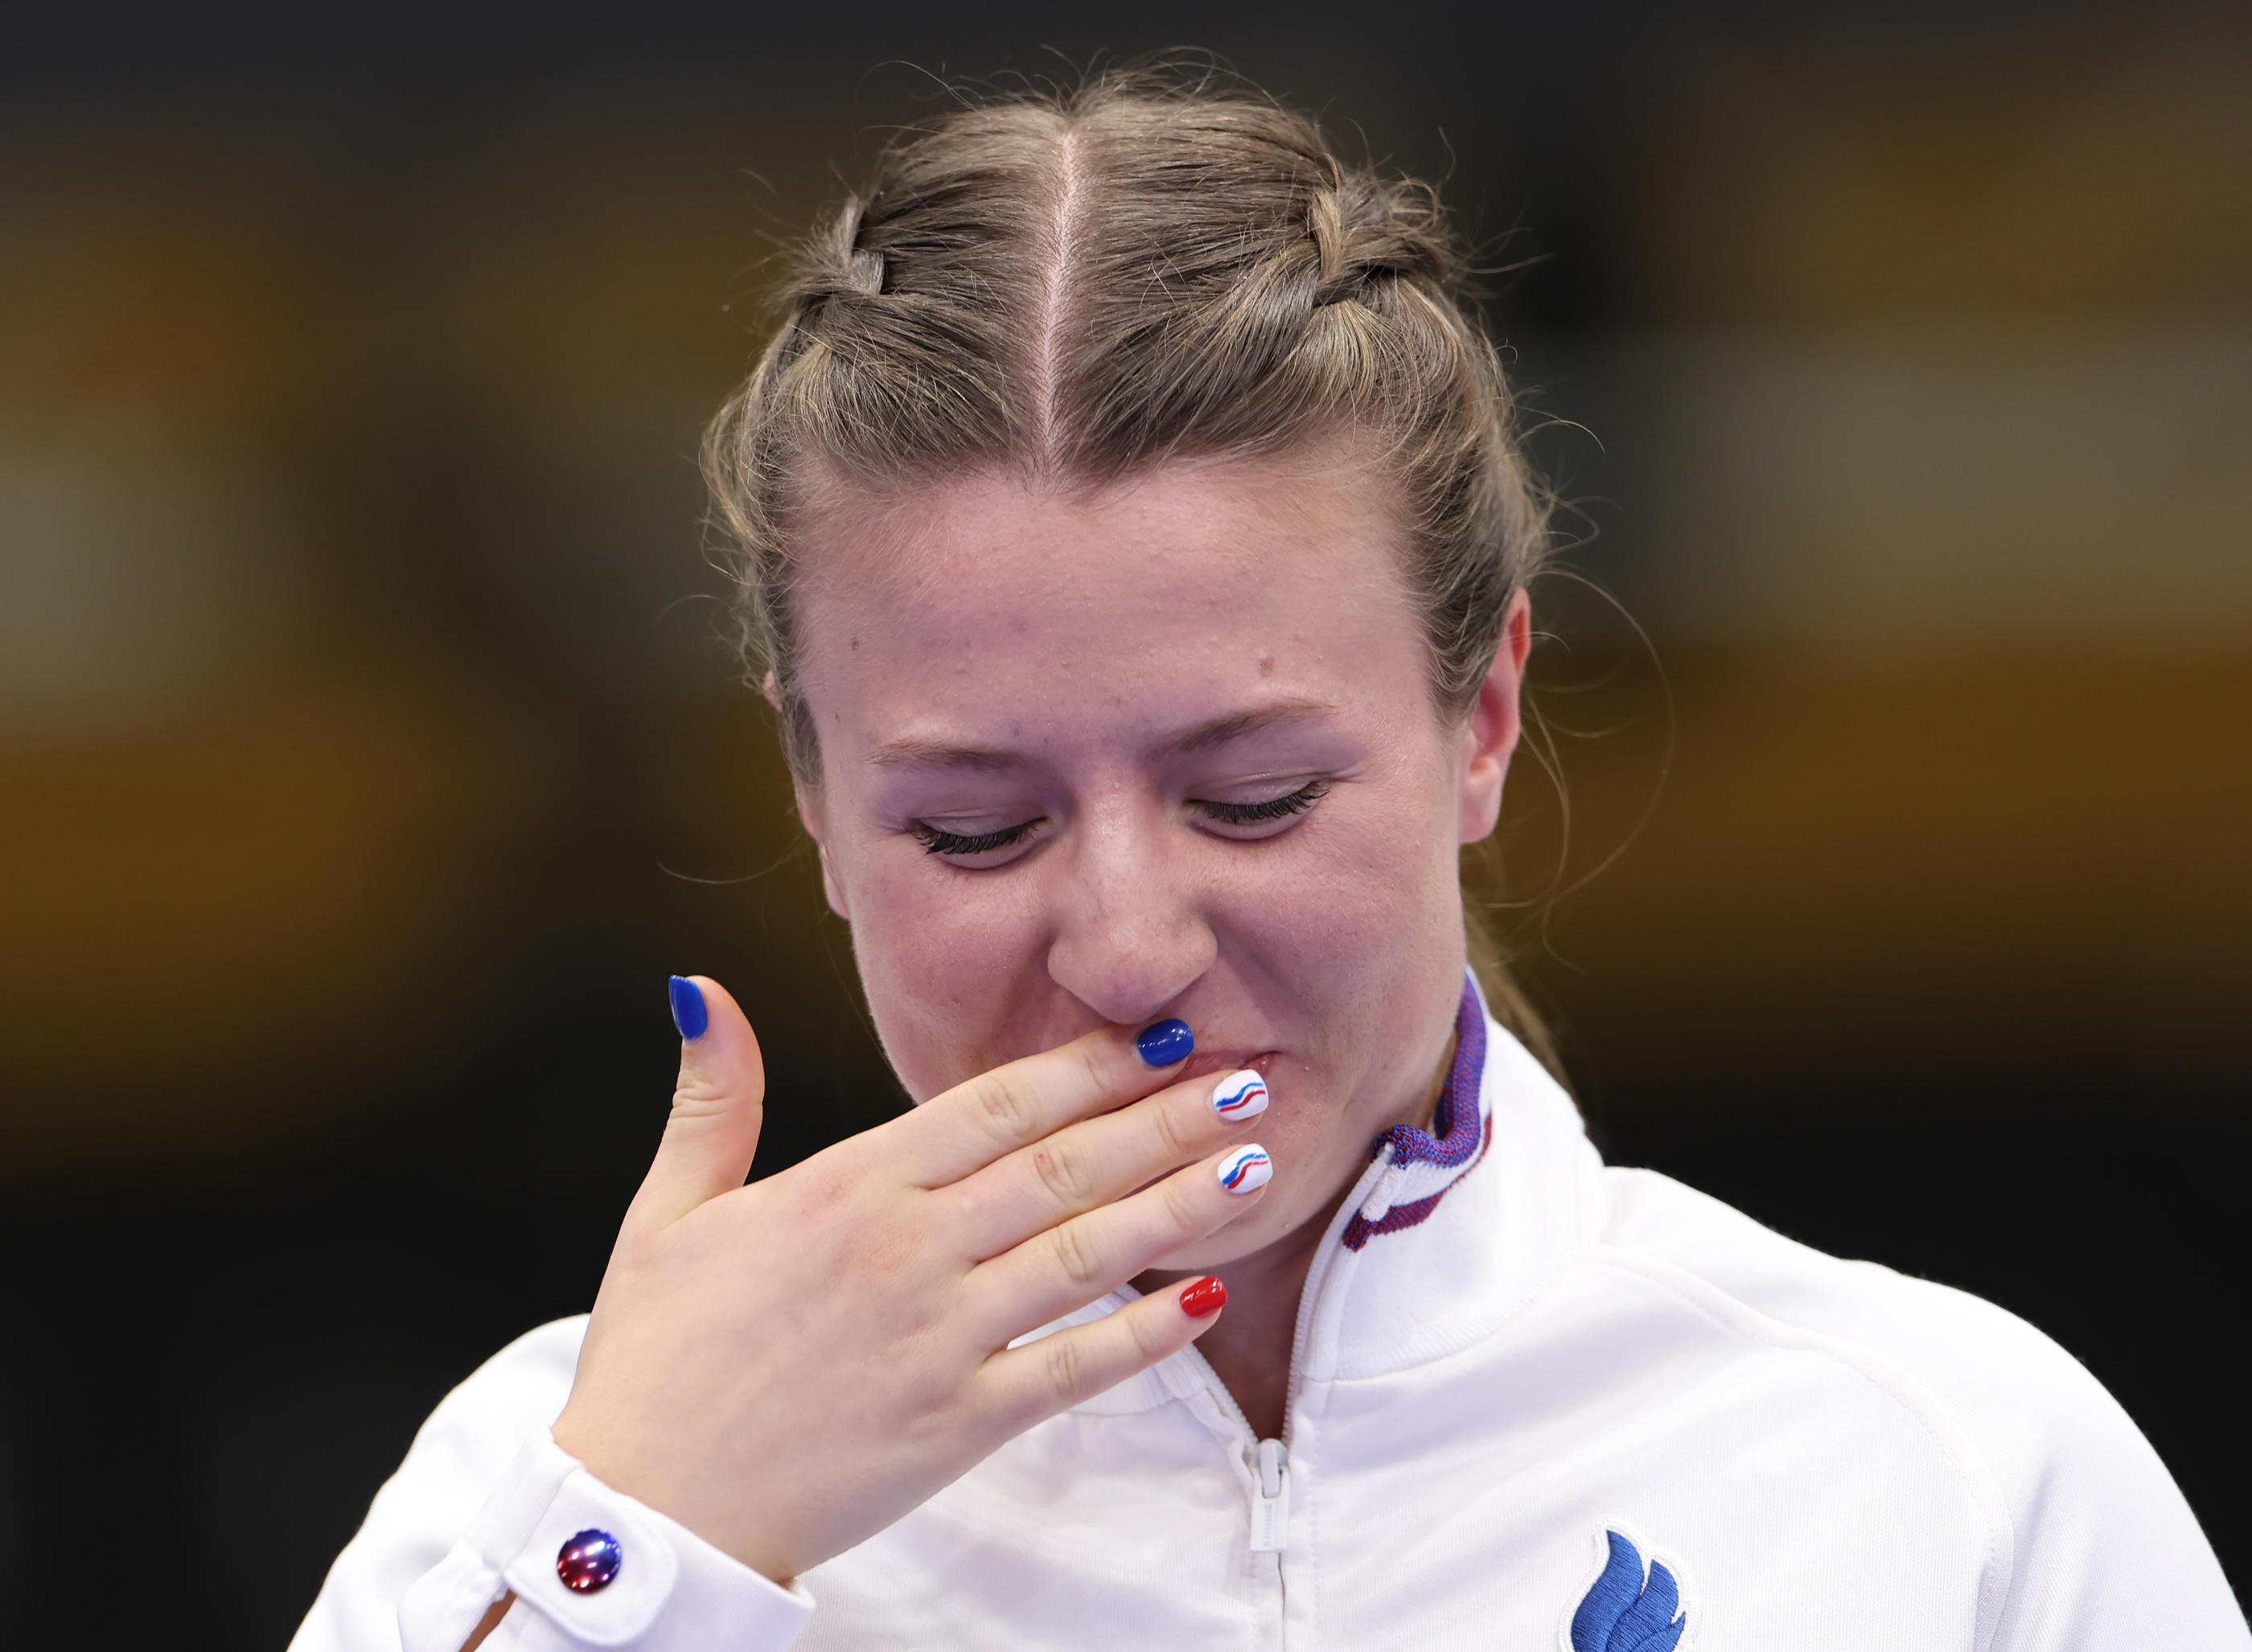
point(717, 1106)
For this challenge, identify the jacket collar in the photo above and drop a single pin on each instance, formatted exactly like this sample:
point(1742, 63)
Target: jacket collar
point(1452, 1230)
point(1421, 1165)
point(1446, 1235)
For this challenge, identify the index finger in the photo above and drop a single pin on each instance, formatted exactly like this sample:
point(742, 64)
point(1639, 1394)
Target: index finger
point(964, 1129)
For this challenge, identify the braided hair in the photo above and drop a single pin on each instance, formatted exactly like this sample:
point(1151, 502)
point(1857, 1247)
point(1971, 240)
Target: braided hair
point(1074, 286)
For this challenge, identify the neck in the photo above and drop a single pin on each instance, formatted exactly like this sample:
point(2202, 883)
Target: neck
point(1249, 1349)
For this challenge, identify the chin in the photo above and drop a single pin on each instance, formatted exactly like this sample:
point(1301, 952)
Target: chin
point(1246, 1235)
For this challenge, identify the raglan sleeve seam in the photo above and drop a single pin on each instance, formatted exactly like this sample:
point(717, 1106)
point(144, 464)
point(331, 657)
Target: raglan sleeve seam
point(1731, 1315)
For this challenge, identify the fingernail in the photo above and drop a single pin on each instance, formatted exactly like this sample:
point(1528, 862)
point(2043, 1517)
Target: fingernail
point(1240, 1096)
point(1166, 1043)
point(1246, 1169)
point(1206, 1296)
point(688, 1011)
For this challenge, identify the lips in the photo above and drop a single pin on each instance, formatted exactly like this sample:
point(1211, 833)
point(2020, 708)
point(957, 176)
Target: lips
point(1204, 1063)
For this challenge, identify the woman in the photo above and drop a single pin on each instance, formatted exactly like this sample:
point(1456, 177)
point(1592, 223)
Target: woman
point(1134, 543)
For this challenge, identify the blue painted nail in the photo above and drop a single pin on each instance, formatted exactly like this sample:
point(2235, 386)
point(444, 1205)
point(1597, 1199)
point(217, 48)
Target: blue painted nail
point(1166, 1043)
point(688, 1011)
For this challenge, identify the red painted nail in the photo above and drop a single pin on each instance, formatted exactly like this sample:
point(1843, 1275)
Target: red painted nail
point(1206, 1296)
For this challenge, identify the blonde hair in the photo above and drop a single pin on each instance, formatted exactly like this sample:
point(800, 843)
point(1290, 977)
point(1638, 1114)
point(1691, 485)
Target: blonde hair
point(1076, 285)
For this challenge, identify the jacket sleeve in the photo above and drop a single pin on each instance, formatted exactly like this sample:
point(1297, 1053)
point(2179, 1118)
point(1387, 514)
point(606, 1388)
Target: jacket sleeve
point(481, 1507)
point(2108, 1555)
point(2099, 1550)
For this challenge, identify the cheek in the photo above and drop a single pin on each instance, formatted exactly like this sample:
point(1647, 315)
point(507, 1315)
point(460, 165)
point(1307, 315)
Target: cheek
point(1376, 880)
point(942, 964)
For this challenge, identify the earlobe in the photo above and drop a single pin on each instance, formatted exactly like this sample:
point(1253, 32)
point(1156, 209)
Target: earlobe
point(1490, 734)
point(808, 815)
point(831, 888)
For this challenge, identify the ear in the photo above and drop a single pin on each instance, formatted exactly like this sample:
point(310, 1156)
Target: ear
point(1490, 736)
point(810, 816)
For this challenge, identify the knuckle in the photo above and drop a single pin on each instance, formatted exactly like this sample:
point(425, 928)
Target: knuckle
point(1062, 1170)
point(1183, 1209)
point(978, 1221)
point(888, 1255)
point(694, 1093)
point(1148, 1337)
point(1076, 1257)
point(1174, 1129)
point(1066, 1361)
point(816, 1188)
point(1007, 1107)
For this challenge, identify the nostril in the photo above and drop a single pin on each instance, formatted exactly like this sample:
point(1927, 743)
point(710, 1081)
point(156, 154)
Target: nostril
point(1130, 962)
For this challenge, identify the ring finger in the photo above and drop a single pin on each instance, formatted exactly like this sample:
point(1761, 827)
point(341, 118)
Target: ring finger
point(1069, 1265)
point(1093, 1163)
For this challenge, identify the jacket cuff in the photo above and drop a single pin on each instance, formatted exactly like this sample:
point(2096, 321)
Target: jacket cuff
point(670, 1592)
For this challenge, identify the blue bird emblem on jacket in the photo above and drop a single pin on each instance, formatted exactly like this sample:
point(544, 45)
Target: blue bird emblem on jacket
point(1625, 1611)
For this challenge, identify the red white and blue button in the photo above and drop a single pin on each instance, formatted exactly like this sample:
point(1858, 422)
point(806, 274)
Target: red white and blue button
point(588, 1561)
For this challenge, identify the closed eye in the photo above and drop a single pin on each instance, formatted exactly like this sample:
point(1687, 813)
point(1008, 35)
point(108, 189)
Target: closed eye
point(1266, 812)
point(937, 841)
point(1244, 822)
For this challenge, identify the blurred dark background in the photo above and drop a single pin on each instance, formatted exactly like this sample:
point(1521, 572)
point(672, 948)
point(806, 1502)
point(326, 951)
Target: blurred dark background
point(368, 756)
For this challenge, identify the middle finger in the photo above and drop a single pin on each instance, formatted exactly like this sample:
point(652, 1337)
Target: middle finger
point(1099, 1160)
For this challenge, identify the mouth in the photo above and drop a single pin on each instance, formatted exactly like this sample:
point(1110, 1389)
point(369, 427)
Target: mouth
point(1205, 1064)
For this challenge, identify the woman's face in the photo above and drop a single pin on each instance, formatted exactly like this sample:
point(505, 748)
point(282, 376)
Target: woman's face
point(1166, 749)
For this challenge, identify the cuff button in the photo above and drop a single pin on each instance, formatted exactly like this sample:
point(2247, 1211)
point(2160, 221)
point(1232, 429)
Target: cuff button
point(588, 1561)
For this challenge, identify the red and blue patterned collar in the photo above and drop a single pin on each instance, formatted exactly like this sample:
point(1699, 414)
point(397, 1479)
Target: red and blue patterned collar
point(1435, 1158)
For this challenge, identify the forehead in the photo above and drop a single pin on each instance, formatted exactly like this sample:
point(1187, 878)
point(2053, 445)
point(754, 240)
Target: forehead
point(1150, 599)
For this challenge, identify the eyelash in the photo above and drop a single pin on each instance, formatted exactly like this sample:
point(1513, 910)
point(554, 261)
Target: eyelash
point(937, 842)
point(1296, 802)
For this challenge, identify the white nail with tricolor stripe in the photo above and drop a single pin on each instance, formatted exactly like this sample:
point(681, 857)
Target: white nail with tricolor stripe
point(1246, 1168)
point(1240, 1096)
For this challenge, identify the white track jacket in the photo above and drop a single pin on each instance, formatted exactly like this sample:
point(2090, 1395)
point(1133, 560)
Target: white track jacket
point(1536, 1404)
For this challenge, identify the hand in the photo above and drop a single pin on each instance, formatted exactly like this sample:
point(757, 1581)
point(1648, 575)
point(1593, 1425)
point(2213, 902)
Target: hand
point(788, 1367)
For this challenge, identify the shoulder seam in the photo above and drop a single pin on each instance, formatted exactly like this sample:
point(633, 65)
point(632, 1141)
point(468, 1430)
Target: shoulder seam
point(1731, 1314)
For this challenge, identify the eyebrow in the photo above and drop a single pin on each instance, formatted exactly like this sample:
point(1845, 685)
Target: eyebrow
point(911, 753)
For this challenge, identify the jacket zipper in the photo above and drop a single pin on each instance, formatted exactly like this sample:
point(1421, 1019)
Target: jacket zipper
point(1270, 1460)
point(1270, 1505)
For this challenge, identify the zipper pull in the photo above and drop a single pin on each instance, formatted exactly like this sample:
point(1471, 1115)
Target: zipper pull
point(1270, 1509)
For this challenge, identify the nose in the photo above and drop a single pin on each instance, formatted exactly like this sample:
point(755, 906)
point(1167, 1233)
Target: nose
point(1130, 935)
